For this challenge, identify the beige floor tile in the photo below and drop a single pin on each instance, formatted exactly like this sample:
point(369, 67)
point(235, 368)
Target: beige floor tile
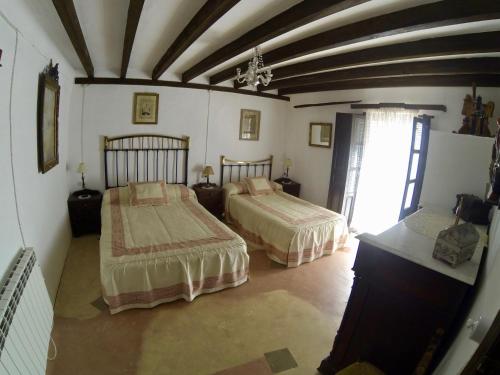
point(299, 309)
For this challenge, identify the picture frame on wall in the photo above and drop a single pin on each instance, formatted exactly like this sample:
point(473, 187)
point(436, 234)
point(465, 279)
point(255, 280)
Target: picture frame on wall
point(145, 108)
point(48, 118)
point(320, 134)
point(249, 125)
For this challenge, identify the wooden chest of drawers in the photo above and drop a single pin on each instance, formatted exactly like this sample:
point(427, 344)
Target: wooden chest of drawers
point(405, 307)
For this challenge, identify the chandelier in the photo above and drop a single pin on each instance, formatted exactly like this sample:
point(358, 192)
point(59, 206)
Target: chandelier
point(257, 73)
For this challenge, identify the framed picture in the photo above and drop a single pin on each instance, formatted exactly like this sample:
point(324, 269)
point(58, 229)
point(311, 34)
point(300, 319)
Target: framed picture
point(145, 108)
point(47, 118)
point(249, 125)
point(320, 134)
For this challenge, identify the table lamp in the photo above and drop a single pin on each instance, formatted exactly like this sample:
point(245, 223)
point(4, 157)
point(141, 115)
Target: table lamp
point(82, 168)
point(207, 172)
point(287, 164)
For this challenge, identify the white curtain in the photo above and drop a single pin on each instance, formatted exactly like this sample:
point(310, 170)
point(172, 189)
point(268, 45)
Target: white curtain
point(383, 171)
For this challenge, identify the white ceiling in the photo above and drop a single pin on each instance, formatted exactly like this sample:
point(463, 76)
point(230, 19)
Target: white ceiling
point(103, 24)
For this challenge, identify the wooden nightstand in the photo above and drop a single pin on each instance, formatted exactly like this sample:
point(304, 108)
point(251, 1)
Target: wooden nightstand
point(289, 186)
point(211, 197)
point(85, 212)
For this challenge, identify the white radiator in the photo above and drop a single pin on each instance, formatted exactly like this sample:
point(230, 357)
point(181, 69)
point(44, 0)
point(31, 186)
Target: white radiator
point(25, 318)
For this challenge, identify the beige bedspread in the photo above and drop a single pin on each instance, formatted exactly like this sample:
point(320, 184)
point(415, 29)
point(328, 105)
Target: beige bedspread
point(156, 254)
point(292, 231)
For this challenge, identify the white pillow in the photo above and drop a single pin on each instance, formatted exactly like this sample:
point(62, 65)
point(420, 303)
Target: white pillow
point(259, 186)
point(147, 193)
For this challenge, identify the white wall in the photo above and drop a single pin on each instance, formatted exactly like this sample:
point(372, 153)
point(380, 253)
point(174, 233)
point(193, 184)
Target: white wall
point(312, 165)
point(10, 235)
point(108, 111)
point(456, 163)
point(41, 219)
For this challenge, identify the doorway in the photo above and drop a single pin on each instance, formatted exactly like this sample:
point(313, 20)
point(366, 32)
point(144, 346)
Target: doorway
point(377, 167)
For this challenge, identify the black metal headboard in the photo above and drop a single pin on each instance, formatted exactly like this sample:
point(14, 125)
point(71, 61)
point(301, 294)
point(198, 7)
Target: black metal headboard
point(145, 157)
point(236, 169)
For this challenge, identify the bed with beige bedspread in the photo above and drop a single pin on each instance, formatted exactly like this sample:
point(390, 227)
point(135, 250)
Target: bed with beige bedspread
point(291, 230)
point(153, 254)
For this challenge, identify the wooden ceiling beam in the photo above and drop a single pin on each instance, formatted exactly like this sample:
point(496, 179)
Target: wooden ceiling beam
point(472, 65)
point(326, 104)
point(459, 80)
point(67, 13)
point(208, 14)
point(134, 14)
point(151, 82)
point(298, 15)
point(425, 107)
point(443, 13)
point(443, 46)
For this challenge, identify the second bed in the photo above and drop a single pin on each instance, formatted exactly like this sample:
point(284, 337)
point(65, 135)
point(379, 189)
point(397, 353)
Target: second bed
point(291, 230)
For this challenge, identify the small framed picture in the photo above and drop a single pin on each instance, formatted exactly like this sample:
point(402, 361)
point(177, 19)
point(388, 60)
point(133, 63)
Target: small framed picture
point(47, 121)
point(249, 125)
point(320, 134)
point(145, 108)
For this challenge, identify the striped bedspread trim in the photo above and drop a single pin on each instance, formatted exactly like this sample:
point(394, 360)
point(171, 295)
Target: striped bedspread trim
point(287, 257)
point(151, 298)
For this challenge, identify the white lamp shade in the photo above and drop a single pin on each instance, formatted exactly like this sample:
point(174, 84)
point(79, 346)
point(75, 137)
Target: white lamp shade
point(82, 168)
point(287, 163)
point(207, 171)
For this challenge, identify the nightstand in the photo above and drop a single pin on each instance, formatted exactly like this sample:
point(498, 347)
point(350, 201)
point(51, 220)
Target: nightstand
point(289, 186)
point(84, 208)
point(211, 197)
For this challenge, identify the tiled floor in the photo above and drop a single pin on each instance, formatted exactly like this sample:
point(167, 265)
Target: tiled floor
point(293, 313)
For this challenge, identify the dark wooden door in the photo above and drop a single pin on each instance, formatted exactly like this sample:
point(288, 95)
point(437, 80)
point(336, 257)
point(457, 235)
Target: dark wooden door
point(340, 161)
point(416, 166)
point(355, 159)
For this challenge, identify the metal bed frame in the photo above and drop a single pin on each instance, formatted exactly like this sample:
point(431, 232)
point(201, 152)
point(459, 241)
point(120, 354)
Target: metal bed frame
point(160, 156)
point(247, 166)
